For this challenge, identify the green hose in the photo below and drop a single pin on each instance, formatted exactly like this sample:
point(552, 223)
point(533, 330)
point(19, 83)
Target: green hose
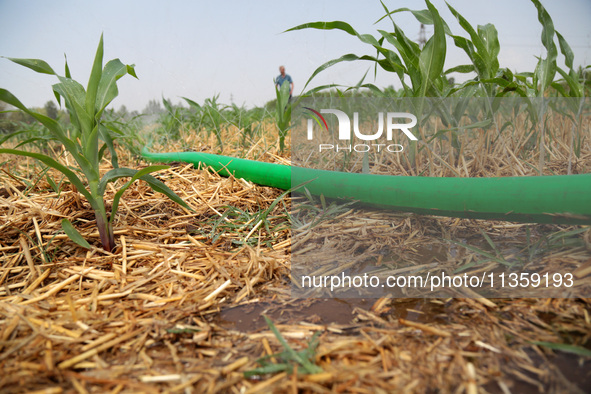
point(560, 199)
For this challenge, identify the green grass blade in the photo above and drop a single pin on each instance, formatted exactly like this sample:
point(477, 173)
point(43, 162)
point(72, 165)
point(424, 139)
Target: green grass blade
point(304, 362)
point(547, 24)
point(11, 135)
point(74, 235)
point(563, 347)
point(481, 252)
point(268, 369)
point(491, 243)
point(52, 184)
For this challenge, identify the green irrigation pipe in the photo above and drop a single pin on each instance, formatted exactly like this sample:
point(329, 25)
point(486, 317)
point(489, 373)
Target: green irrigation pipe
point(561, 199)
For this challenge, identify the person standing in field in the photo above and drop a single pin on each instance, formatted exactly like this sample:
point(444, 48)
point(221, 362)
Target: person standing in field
point(282, 78)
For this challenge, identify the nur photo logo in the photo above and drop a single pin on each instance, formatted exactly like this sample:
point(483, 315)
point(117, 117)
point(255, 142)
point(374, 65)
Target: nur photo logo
point(388, 124)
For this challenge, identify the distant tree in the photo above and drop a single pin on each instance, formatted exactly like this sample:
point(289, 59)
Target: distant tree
point(51, 109)
point(20, 116)
point(152, 108)
point(122, 112)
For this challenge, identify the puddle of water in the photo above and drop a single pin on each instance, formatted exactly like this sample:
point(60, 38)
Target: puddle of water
point(569, 366)
point(420, 310)
point(249, 317)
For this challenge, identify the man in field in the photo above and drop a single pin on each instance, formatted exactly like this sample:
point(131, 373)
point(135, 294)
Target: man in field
point(282, 78)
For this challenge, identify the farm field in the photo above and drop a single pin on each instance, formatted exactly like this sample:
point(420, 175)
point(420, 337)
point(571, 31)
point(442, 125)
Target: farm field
point(122, 275)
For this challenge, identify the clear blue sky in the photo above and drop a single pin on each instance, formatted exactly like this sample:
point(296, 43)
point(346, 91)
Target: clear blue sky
point(198, 49)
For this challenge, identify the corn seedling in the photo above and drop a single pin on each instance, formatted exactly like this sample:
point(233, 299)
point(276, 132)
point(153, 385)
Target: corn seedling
point(171, 121)
point(82, 141)
point(214, 119)
point(282, 113)
point(248, 122)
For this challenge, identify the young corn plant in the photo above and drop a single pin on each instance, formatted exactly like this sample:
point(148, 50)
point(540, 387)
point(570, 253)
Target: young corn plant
point(83, 140)
point(171, 121)
point(282, 113)
point(576, 94)
point(214, 118)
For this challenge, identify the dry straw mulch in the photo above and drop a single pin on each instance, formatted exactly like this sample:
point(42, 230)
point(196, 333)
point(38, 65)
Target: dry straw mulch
point(167, 310)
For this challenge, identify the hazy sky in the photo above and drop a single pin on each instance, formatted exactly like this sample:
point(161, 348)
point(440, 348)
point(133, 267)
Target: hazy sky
point(198, 49)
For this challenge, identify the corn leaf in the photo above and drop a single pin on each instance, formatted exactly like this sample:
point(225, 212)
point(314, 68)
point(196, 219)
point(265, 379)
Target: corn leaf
point(93, 81)
point(51, 124)
point(154, 183)
point(192, 103)
point(37, 65)
point(475, 38)
point(464, 69)
point(74, 97)
point(338, 25)
point(108, 139)
point(566, 50)
point(107, 88)
point(423, 16)
point(576, 88)
point(490, 38)
point(73, 234)
point(123, 172)
point(432, 57)
point(160, 187)
point(71, 175)
point(67, 68)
